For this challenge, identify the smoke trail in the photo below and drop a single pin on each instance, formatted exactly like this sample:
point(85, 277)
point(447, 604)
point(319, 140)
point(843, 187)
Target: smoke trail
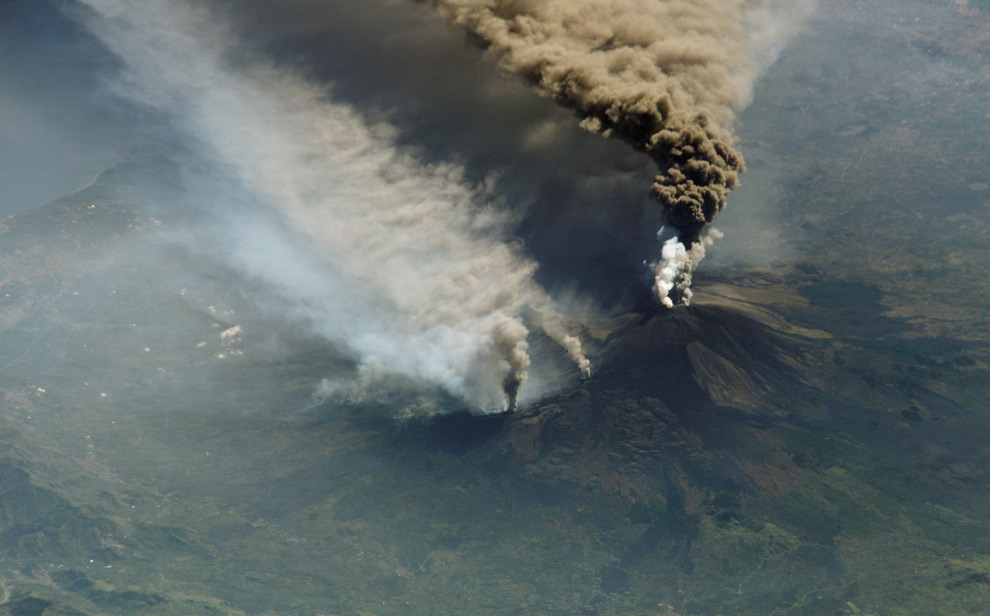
point(664, 75)
point(399, 261)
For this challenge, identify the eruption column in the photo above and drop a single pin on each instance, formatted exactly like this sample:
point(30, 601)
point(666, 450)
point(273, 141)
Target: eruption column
point(663, 75)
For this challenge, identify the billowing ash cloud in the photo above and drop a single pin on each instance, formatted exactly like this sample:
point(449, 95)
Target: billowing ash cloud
point(664, 75)
point(404, 263)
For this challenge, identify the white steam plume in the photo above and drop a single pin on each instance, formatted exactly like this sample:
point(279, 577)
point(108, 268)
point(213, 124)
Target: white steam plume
point(402, 262)
point(676, 266)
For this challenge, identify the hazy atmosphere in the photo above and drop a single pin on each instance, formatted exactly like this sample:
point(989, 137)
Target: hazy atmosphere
point(658, 307)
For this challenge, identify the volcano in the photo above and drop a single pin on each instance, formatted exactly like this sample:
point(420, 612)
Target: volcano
point(160, 432)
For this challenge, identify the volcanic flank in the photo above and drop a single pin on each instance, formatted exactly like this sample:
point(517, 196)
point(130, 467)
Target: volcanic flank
point(665, 76)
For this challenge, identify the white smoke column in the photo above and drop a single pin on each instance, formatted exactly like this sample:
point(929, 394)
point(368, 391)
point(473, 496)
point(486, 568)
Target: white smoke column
point(677, 264)
point(404, 264)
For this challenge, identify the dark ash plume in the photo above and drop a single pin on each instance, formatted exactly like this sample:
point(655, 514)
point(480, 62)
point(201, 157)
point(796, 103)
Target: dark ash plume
point(663, 75)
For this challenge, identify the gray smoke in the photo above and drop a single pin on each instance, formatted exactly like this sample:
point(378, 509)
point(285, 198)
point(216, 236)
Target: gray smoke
point(666, 76)
point(406, 264)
